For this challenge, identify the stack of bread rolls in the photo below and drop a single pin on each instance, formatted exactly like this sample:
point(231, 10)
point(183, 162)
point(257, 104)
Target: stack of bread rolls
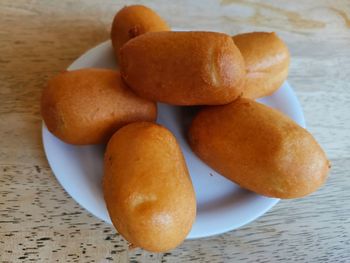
point(146, 184)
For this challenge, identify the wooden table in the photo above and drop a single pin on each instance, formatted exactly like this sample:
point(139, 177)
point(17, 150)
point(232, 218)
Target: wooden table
point(39, 222)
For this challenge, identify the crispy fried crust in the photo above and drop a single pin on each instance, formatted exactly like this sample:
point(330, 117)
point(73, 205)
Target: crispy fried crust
point(259, 148)
point(184, 68)
point(267, 61)
point(87, 106)
point(132, 21)
point(147, 188)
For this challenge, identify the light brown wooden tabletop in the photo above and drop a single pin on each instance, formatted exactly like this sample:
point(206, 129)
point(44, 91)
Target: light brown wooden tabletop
point(39, 222)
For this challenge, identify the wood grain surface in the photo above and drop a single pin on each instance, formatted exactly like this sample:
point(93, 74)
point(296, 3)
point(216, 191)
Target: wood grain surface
point(39, 222)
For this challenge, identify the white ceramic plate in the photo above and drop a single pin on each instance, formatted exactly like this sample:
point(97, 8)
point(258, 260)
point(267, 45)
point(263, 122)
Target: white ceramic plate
point(221, 205)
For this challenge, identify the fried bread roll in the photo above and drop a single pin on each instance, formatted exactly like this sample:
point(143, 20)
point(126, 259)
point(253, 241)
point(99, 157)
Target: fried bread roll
point(147, 187)
point(183, 68)
point(259, 148)
point(266, 59)
point(87, 106)
point(132, 21)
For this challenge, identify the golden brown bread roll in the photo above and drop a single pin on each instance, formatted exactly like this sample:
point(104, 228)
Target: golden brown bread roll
point(259, 148)
point(87, 106)
point(267, 61)
point(183, 68)
point(132, 21)
point(147, 188)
